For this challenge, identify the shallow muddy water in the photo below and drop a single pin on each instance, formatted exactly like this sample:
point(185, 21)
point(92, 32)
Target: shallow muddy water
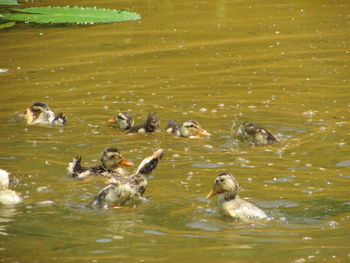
point(283, 65)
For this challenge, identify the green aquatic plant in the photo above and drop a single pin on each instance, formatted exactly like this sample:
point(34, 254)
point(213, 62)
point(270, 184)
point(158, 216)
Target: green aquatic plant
point(67, 14)
point(5, 25)
point(9, 2)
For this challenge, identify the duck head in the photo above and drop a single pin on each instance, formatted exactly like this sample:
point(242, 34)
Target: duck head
point(37, 111)
point(123, 120)
point(192, 128)
point(225, 183)
point(112, 158)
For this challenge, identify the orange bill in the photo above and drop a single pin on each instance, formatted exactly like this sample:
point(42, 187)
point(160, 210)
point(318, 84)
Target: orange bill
point(203, 132)
point(119, 207)
point(112, 121)
point(211, 194)
point(125, 162)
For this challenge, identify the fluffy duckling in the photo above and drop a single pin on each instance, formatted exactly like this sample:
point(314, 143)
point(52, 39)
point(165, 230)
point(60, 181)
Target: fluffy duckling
point(254, 134)
point(111, 161)
point(123, 120)
point(173, 128)
point(7, 196)
point(40, 113)
point(127, 188)
point(229, 202)
point(190, 129)
point(152, 124)
point(193, 129)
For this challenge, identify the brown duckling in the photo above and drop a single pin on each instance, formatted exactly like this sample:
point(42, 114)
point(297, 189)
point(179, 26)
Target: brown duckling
point(7, 196)
point(254, 134)
point(173, 128)
point(123, 120)
point(189, 129)
point(111, 161)
point(229, 202)
point(127, 188)
point(152, 124)
point(40, 113)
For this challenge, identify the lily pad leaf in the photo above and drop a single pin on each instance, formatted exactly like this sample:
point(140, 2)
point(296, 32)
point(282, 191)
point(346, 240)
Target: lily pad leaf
point(67, 14)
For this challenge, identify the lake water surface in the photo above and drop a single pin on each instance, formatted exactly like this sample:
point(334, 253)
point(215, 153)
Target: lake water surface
point(281, 64)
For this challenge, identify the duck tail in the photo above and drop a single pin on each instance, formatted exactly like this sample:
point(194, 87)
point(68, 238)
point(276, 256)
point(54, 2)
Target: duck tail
point(153, 123)
point(173, 128)
point(60, 120)
point(172, 124)
point(74, 167)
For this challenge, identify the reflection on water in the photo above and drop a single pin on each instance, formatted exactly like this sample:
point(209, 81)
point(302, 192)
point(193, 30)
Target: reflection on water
point(283, 66)
point(6, 217)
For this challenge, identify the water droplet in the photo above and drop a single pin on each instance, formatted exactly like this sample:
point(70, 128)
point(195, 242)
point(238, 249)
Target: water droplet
point(103, 240)
point(306, 238)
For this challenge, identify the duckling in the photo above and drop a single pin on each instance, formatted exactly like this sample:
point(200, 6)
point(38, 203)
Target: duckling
point(254, 134)
point(229, 202)
point(151, 125)
point(111, 160)
point(173, 128)
point(40, 113)
point(7, 196)
point(190, 129)
point(123, 189)
point(123, 120)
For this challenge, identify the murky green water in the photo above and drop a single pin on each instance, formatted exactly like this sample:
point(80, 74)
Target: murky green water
point(284, 65)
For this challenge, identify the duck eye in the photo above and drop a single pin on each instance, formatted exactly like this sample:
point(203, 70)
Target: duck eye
point(112, 156)
point(220, 180)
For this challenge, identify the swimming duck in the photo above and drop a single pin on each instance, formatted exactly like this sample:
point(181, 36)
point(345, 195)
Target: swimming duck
point(229, 202)
point(127, 188)
point(40, 113)
point(151, 125)
point(123, 120)
point(254, 134)
point(7, 196)
point(173, 128)
point(111, 161)
point(191, 129)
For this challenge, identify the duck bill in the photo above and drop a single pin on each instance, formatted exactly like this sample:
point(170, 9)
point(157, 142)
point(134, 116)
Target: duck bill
point(29, 116)
point(158, 154)
point(112, 121)
point(203, 132)
point(125, 162)
point(211, 194)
